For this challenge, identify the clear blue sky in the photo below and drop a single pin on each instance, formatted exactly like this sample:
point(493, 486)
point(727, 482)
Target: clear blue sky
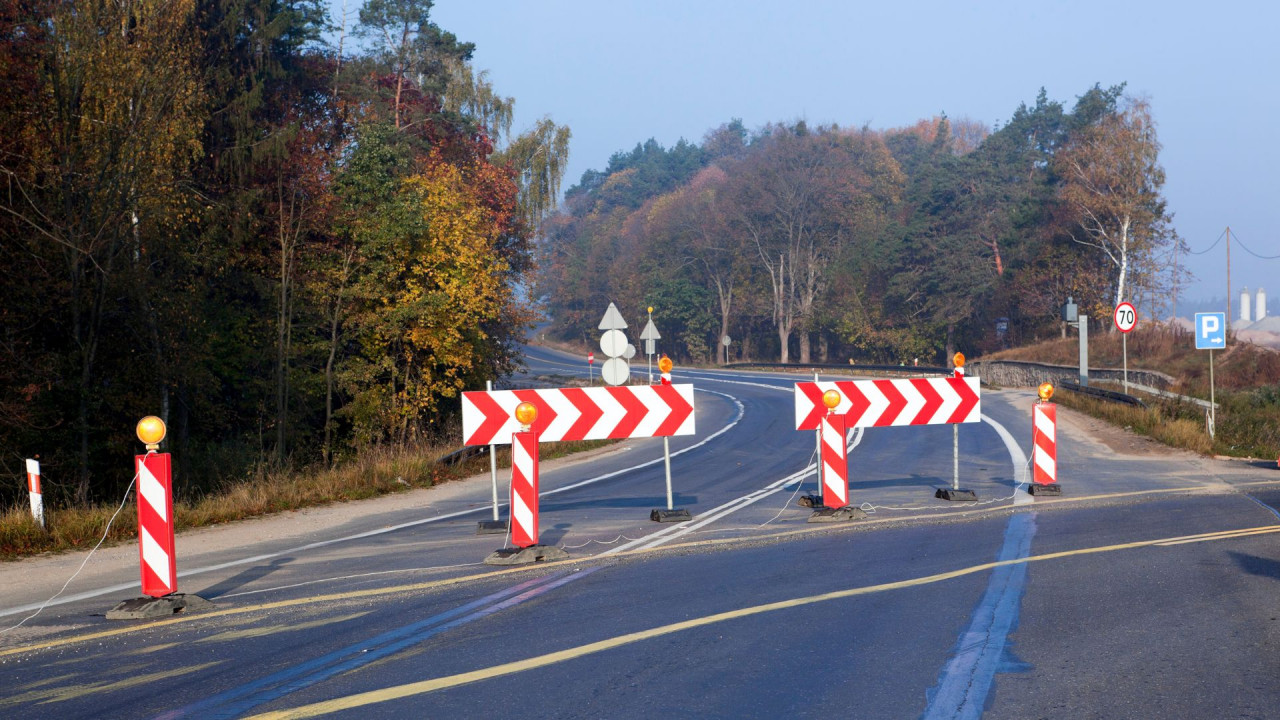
point(619, 72)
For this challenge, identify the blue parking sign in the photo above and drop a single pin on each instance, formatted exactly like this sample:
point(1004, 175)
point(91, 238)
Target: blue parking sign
point(1211, 331)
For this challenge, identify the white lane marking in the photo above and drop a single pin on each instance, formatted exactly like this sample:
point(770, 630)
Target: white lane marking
point(668, 534)
point(381, 531)
point(661, 537)
point(1019, 459)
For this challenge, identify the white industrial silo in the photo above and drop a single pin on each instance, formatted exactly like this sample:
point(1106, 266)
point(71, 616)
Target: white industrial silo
point(1245, 317)
point(1260, 306)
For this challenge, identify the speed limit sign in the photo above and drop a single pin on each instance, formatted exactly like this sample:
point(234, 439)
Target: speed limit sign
point(1126, 317)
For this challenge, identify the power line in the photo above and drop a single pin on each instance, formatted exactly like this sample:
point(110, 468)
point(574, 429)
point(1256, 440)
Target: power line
point(1260, 257)
point(1214, 245)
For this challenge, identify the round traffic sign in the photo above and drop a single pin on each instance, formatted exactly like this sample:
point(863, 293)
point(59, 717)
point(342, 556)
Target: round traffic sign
point(630, 352)
point(615, 371)
point(725, 340)
point(591, 358)
point(613, 343)
point(1126, 317)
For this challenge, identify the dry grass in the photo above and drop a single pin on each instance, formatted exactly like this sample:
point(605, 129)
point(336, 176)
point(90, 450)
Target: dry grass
point(377, 472)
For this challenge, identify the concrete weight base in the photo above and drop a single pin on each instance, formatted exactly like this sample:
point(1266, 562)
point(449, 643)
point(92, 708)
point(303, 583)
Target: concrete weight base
point(844, 514)
point(672, 516)
point(1050, 489)
point(960, 495)
point(526, 556)
point(147, 608)
point(491, 527)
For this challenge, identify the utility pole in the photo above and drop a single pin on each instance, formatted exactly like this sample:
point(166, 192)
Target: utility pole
point(1228, 280)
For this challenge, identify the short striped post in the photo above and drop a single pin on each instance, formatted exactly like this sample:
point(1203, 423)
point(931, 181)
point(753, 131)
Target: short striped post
point(155, 525)
point(835, 462)
point(1044, 420)
point(33, 487)
point(524, 489)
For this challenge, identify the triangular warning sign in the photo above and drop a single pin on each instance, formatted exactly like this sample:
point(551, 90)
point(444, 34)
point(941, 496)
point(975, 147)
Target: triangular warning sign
point(612, 319)
point(650, 332)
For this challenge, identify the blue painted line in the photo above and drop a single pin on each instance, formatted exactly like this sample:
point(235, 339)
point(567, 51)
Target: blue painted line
point(966, 679)
point(235, 709)
point(199, 709)
point(1268, 507)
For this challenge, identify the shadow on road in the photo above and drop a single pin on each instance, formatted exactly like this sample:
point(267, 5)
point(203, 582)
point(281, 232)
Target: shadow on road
point(243, 578)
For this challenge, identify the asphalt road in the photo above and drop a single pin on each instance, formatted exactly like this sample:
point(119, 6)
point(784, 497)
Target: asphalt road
point(1148, 590)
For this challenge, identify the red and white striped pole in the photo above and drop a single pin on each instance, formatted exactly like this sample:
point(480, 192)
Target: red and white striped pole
point(524, 479)
point(835, 462)
point(1044, 444)
point(156, 547)
point(33, 487)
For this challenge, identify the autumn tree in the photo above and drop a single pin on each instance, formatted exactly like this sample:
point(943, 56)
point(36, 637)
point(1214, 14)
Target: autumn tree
point(1112, 181)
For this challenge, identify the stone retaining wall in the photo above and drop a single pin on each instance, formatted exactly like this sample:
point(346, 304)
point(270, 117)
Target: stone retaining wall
point(1016, 373)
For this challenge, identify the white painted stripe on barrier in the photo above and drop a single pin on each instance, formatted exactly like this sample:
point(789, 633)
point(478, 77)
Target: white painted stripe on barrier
point(1046, 426)
point(150, 489)
point(1046, 463)
point(155, 557)
point(915, 402)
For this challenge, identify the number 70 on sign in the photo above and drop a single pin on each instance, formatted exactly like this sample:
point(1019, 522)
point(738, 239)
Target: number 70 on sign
point(1126, 317)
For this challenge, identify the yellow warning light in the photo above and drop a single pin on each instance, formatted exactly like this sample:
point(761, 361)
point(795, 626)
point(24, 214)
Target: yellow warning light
point(831, 399)
point(650, 309)
point(1046, 391)
point(958, 359)
point(664, 364)
point(151, 431)
point(526, 413)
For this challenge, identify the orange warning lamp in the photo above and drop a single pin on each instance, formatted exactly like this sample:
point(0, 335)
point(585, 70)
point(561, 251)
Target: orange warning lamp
point(958, 360)
point(526, 414)
point(1046, 391)
point(151, 431)
point(831, 399)
point(664, 364)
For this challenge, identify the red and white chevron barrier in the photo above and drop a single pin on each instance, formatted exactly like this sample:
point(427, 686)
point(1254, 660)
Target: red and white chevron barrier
point(155, 525)
point(33, 488)
point(892, 403)
point(835, 463)
point(1044, 439)
point(594, 413)
point(524, 489)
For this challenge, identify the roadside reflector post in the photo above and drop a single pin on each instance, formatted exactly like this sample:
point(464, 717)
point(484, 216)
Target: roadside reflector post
point(955, 492)
point(1044, 444)
point(671, 514)
point(33, 488)
point(524, 497)
point(157, 554)
point(495, 526)
point(833, 464)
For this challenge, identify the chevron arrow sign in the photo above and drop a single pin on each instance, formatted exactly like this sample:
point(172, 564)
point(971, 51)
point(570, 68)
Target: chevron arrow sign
point(891, 403)
point(594, 413)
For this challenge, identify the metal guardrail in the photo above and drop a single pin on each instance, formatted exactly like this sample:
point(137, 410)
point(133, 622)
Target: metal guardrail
point(1103, 394)
point(463, 454)
point(916, 369)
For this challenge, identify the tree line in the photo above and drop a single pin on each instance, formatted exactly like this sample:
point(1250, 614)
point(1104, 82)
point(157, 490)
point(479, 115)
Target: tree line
point(217, 212)
point(829, 243)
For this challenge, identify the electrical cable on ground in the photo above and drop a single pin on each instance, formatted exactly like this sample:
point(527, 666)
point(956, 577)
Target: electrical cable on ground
point(86, 559)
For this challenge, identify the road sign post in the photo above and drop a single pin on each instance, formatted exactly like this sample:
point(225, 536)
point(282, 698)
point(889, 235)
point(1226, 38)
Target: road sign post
point(1125, 318)
point(1211, 334)
point(649, 335)
point(495, 526)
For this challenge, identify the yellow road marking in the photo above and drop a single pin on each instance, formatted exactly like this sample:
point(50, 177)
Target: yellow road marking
point(480, 577)
point(62, 694)
point(427, 686)
point(274, 629)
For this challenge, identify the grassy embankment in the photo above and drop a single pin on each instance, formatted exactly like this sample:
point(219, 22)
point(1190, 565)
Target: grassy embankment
point(375, 473)
point(1246, 381)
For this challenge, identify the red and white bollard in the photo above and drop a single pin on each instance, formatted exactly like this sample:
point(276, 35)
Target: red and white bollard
point(156, 550)
point(33, 488)
point(157, 553)
point(524, 489)
point(835, 462)
point(524, 497)
point(1044, 444)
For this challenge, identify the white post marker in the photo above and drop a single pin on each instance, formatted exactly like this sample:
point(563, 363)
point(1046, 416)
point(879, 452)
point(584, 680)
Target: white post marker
point(1126, 318)
point(493, 464)
point(591, 364)
point(33, 487)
